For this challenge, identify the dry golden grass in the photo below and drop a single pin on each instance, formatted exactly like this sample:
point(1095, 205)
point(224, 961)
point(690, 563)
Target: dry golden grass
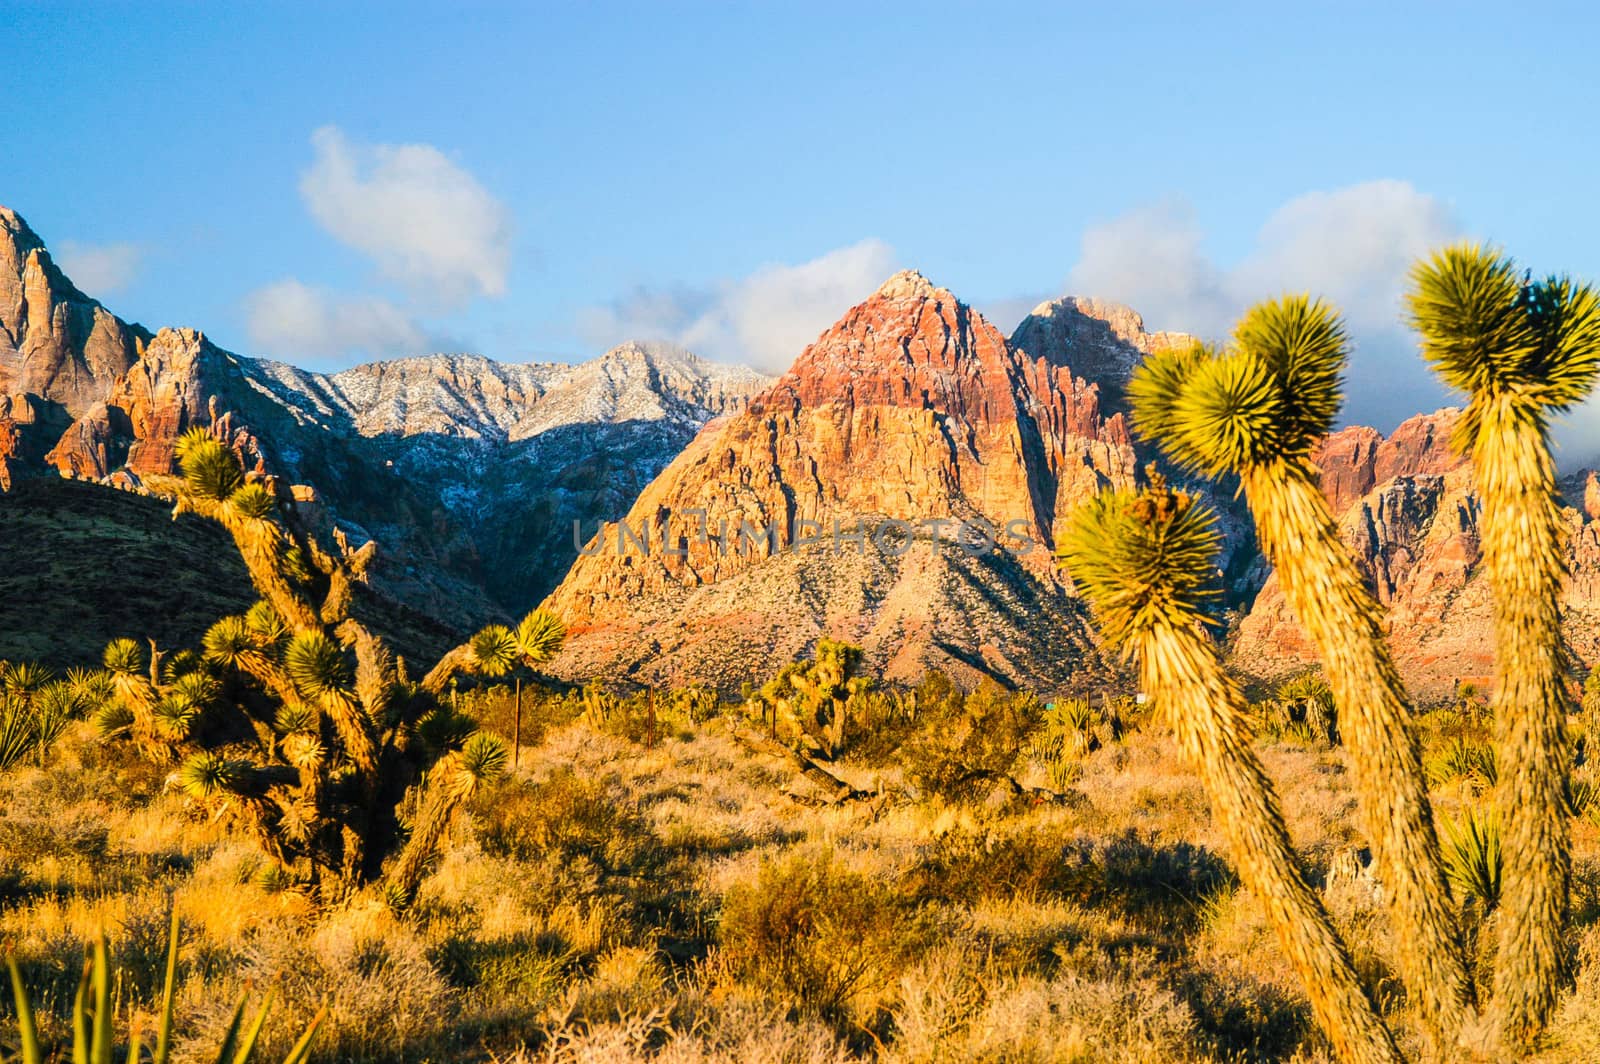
point(618, 902)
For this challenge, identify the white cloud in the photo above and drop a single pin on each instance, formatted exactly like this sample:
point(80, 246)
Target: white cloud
point(98, 268)
point(425, 222)
point(1352, 246)
point(1577, 437)
point(299, 323)
point(764, 320)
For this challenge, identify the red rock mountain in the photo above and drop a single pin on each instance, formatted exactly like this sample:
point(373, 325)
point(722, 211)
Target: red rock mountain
point(912, 408)
point(467, 471)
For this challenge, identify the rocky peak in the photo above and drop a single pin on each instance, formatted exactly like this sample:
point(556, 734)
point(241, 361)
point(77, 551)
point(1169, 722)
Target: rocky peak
point(1357, 459)
point(1591, 496)
point(1096, 339)
point(55, 342)
point(907, 284)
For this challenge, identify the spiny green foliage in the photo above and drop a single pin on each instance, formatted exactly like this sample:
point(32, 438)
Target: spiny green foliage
point(1464, 759)
point(811, 700)
point(1273, 394)
point(1145, 562)
point(35, 708)
point(1472, 857)
point(293, 718)
point(1142, 559)
point(94, 1039)
point(1490, 331)
point(1521, 349)
point(1304, 708)
point(498, 650)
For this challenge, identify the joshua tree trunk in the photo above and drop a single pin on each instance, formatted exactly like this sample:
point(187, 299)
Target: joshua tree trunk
point(1523, 557)
point(1146, 563)
point(1324, 588)
point(1208, 714)
point(516, 728)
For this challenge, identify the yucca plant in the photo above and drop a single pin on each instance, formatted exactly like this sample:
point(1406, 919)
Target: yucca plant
point(93, 1034)
point(294, 719)
point(1464, 759)
point(481, 761)
point(497, 651)
point(1472, 857)
point(809, 699)
point(1521, 350)
point(34, 711)
point(1313, 703)
point(1257, 410)
point(1146, 562)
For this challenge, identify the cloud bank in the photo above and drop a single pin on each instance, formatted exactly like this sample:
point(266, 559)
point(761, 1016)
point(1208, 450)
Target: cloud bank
point(763, 320)
point(1352, 246)
point(98, 268)
point(294, 320)
point(425, 223)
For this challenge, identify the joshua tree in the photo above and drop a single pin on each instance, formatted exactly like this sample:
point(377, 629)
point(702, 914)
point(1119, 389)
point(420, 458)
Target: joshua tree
point(294, 717)
point(1257, 411)
point(815, 694)
point(1145, 562)
point(1521, 350)
point(498, 650)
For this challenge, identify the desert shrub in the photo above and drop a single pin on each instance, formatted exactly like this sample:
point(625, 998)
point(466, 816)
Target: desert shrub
point(745, 1033)
point(494, 707)
point(626, 981)
point(809, 703)
point(35, 709)
point(567, 815)
point(1066, 735)
point(385, 999)
point(962, 744)
point(1157, 885)
point(822, 940)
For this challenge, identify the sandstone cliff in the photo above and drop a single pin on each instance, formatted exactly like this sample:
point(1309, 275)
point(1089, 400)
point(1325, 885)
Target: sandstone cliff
point(1410, 516)
point(55, 342)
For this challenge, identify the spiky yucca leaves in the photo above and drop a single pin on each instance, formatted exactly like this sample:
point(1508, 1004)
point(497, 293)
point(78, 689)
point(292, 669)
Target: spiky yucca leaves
point(93, 1038)
point(497, 650)
point(215, 486)
point(481, 760)
point(1522, 351)
point(1147, 562)
point(1472, 857)
point(1258, 411)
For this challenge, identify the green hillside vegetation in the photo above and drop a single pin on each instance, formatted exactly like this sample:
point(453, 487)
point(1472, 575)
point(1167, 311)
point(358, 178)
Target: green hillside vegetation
point(82, 564)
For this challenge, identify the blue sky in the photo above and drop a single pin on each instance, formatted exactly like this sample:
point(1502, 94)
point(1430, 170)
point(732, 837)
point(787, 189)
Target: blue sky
point(540, 181)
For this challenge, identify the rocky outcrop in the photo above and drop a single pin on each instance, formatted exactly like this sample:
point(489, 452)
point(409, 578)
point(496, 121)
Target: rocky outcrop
point(1413, 528)
point(469, 472)
point(137, 424)
point(27, 426)
point(1098, 340)
point(55, 342)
